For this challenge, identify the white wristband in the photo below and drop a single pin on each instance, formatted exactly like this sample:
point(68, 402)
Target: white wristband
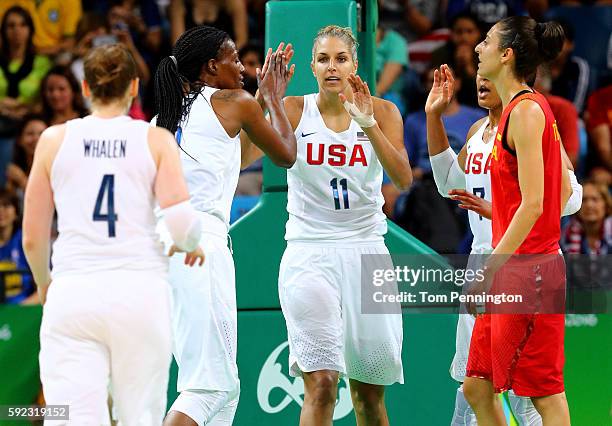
point(364, 120)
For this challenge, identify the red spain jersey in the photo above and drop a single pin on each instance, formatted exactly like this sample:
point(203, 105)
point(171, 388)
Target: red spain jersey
point(505, 190)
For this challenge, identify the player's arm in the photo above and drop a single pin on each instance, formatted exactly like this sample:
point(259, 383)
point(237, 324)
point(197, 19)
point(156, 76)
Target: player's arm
point(526, 128)
point(39, 208)
point(251, 152)
point(171, 192)
point(387, 138)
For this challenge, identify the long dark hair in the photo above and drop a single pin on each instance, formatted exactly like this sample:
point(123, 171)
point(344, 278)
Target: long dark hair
point(78, 103)
point(533, 43)
point(4, 47)
point(13, 78)
point(177, 85)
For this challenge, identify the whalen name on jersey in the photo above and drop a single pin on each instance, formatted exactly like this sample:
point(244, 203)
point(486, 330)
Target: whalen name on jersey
point(101, 148)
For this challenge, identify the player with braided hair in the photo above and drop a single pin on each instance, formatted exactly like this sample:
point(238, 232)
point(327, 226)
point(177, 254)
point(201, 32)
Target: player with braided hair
point(199, 97)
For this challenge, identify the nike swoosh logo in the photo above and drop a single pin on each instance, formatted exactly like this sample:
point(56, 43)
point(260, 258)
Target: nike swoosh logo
point(307, 134)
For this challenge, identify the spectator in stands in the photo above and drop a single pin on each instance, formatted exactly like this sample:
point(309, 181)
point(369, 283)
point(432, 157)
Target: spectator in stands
point(62, 99)
point(227, 15)
point(459, 54)
point(565, 114)
point(251, 178)
point(592, 42)
point(570, 73)
point(55, 22)
point(94, 30)
point(251, 58)
point(457, 118)
point(487, 11)
point(598, 118)
point(391, 61)
point(590, 231)
point(18, 287)
point(411, 18)
point(17, 172)
point(21, 71)
point(143, 20)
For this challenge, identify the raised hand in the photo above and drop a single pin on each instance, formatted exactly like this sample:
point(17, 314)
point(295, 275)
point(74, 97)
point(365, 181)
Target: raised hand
point(361, 109)
point(287, 51)
point(362, 98)
point(273, 84)
point(441, 92)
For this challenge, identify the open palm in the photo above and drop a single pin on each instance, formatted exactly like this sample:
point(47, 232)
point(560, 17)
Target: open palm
point(362, 98)
point(441, 92)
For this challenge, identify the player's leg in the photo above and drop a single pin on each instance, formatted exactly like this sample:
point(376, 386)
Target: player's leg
point(141, 345)
point(310, 299)
point(373, 334)
point(205, 327)
point(478, 385)
point(523, 410)
point(553, 409)
point(463, 414)
point(369, 403)
point(484, 401)
point(320, 389)
point(74, 362)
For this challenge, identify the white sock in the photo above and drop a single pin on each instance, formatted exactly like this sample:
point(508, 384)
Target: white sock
point(463, 415)
point(524, 411)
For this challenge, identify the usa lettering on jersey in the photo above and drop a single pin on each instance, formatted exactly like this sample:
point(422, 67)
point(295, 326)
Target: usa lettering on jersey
point(336, 155)
point(474, 164)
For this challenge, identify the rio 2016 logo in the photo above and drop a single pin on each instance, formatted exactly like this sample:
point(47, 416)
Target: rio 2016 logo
point(272, 377)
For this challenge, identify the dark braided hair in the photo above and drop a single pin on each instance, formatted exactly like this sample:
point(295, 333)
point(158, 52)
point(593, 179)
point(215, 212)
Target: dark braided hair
point(177, 86)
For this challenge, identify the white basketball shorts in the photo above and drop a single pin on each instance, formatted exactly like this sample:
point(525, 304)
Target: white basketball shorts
point(107, 328)
point(320, 295)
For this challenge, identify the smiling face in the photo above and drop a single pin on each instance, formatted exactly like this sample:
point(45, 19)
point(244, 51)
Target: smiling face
point(332, 63)
point(30, 134)
point(229, 68)
point(489, 54)
point(488, 97)
point(58, 93)
point(593, 208)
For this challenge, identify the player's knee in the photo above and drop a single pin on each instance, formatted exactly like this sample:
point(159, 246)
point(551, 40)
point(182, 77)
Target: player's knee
point(477, 393)
point(549, 403)
point(368, 400)
point(322, 387)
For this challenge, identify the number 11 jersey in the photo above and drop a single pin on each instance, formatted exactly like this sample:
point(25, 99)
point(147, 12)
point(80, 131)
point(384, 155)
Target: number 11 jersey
point(334, 187)
point(102, 178)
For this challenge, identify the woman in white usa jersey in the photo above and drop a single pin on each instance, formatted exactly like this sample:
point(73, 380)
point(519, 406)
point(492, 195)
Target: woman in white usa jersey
point(200, 98)
point(335, 216)
point(106, 317)
point(466, 178)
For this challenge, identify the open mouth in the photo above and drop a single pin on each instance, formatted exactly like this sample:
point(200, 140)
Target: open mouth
point(332, 79)
point(483, 91)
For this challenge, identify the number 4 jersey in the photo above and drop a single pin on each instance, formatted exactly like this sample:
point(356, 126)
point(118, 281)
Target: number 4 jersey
point(102, 179)
point(335, 184)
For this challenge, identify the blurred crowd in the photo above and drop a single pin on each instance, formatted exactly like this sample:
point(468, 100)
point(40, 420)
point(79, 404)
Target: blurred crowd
point(43, 42)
